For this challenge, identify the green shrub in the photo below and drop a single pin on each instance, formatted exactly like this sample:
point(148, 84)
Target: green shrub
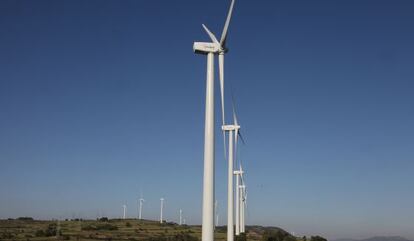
point(177, 237)
point(317, 238)
point(104, 219)
point(241, 237)
point(276, 235)
point(105, 226)
point(183, 237)
point(51, 230)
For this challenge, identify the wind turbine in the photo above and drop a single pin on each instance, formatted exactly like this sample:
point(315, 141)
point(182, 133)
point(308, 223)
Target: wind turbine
point(243, 208)
point(125, 207)
point(141, 203)
point(237, 173)
point(233, 130)
point(211, 49)
point(162, 206)
point(242, 200)
point(230, 201)
point(181, 217)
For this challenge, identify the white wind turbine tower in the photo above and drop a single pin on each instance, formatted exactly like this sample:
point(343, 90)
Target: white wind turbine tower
point(210, 49)
point(141, 203)
point(237, 173)
point(243, 208)
point(162, 207)
point(243, 201)
point(239, 177)
point(181, 216)
point(125, 207)
point(230, 215)
point(233, 130)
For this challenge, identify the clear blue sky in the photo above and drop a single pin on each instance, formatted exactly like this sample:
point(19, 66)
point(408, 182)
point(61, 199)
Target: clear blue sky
point(102, 99)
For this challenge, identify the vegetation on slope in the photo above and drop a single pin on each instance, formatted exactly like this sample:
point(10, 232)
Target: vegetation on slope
point(129, 229)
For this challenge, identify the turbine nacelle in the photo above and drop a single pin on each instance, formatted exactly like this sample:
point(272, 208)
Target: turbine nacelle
point(238, 172)
point(230, 127)
point(205, 48)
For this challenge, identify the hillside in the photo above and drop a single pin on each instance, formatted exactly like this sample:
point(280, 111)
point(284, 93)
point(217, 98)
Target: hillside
point(116, 229)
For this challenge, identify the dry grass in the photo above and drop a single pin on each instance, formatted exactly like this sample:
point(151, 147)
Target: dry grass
point(115, 229)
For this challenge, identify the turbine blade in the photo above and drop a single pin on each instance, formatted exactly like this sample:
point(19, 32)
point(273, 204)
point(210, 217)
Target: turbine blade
point(221, 73)
point(237, 132)
point(226, 25)
point(234, 114)
point(242, 179)
point(241, 138)
point(236, 122)
point(236, 140)
point(241, 174)
point(212, 37)
point(221, 76)
point(245, 198)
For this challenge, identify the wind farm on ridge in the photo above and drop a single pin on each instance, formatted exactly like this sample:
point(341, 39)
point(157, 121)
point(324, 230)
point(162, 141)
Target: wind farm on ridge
point(113, 128)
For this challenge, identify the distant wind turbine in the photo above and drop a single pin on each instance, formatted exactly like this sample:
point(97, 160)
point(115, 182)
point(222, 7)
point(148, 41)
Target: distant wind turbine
point(243, 209)
point(141, 203)
point(243, 201)
point(181, 217)
point(237, 173)
point(125, 207)
point(162, 206)
point(233, 130)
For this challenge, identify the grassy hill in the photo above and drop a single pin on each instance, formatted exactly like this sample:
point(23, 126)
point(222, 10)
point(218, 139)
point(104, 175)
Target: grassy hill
point(114, 229)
